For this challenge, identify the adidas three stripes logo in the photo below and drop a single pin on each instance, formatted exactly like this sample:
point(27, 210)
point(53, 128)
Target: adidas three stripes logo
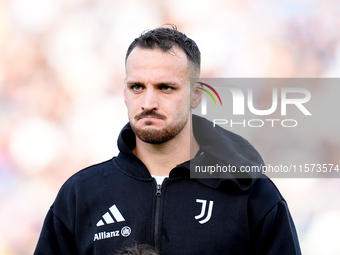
point(110, 217)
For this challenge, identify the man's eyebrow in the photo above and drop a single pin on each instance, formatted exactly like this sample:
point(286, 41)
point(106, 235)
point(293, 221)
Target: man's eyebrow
point(167, 84)
point(163, 83)
point(131, 83)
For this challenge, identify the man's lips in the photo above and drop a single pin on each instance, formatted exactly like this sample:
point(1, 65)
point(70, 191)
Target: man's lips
point(150, 117)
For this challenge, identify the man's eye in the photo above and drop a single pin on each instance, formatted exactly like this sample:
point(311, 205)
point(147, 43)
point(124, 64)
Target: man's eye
point(136, 87)
point(166, 88)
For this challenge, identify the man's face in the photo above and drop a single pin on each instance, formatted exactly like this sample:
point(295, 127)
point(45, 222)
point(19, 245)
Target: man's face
point(157, 94)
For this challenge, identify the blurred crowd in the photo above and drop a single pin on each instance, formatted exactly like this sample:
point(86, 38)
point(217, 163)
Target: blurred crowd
point(61, 87)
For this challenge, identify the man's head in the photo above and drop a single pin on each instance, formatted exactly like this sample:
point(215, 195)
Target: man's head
point(158, 94)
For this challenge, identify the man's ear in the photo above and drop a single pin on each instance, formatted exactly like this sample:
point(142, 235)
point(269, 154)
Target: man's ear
point(196, 95)
point(124, 90)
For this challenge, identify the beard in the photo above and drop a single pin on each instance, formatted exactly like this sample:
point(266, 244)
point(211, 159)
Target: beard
point(157, 136)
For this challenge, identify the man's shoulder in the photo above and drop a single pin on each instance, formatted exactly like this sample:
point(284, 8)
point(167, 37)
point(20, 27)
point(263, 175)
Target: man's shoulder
point(264, 196)
point(90, 176)
point(264, 187)
point(93, 171)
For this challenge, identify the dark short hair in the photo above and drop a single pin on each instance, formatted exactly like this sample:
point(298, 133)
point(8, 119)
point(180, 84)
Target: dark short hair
point(165, 38)
point(137, 249)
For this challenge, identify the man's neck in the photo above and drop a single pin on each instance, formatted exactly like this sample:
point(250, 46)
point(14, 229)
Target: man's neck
point(160, 159)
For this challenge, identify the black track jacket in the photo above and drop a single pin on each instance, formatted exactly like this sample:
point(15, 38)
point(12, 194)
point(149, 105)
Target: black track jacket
point(117, 203)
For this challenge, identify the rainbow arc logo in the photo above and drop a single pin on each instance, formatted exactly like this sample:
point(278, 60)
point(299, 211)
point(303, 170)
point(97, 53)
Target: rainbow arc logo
point(209, 93)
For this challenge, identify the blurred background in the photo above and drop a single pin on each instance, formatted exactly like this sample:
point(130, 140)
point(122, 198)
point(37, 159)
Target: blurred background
point(61, 85)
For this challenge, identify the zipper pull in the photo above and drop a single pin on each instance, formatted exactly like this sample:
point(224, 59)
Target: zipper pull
point(158, 192)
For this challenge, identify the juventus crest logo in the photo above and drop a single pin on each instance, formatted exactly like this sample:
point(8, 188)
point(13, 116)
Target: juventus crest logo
point(203, 210)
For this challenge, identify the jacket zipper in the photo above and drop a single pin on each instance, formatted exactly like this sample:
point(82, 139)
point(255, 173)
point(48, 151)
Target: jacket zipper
point(157, 216)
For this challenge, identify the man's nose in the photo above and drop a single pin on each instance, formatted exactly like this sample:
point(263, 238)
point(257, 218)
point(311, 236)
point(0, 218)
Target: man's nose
point(150, 101)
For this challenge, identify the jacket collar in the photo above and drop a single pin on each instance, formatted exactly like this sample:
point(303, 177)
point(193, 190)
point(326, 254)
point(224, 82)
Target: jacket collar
point(219, 145)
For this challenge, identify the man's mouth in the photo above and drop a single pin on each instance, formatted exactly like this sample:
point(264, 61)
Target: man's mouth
point(150, 118)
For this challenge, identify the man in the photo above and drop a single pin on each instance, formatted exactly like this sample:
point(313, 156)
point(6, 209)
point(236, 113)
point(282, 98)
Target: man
point(146, 195)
